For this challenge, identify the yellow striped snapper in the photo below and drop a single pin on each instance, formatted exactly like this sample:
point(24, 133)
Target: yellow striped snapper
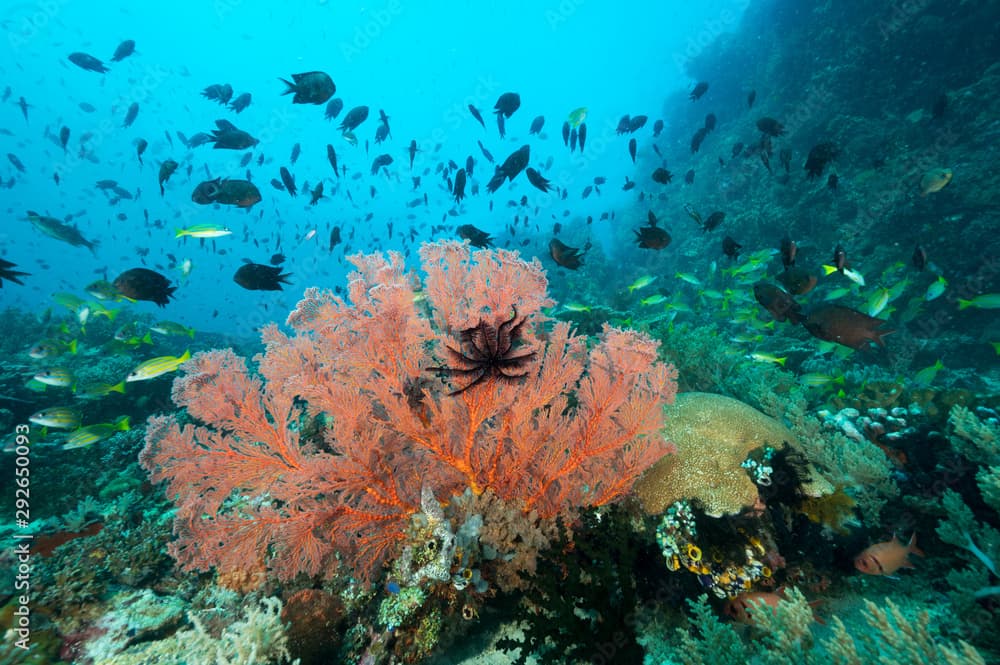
point(927, 375)
point(641, 283)
point(96, 390)
point(155, 367)
point(985, 301)
point(936, 289)
point(767, 357)
point(59, 377)
point(57, 417)
point(203, 231)
point(91, 434)
point(852, 275)
point(818, 379)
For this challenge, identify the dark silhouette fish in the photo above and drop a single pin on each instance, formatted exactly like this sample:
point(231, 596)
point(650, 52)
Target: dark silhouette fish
point(751, 96)
point(770, 127)
point(242, 193)
point(475, 114)
point(124, 50)
point(12, 158)
point(536, 125)
point(846, 326)
point(63, 137)
point(316, 194)
point(698, 137)
point(510, 169)
point(229, 137)
point(713, 221)
point(260, 277)
point(145, 284)
point(380, 161)
point(333, 108)
point(820, 155)
point(730, 247)
point(289, 181)
point(657, 128)
point(7, 272)
point(486, 153)
point(310, 88)
point(566, 256)
point(536, 179)
point(167, 169)
point(354, 117)
point(662, 176)
point(241, 102)
point(565, 133)
point(651, 236)
point(88, 62)
point(632, 146)
point(506, 104)
point(331, 156)
point(636, 123)
point(219, 92)
point(131, 114)
point(700, 89)
point(458, 191)
point(476, 237)
point(140, 147)
point(778, 302)
point(583, 135)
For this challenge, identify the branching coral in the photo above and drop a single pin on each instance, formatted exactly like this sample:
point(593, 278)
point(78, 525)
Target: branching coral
point(890, 637)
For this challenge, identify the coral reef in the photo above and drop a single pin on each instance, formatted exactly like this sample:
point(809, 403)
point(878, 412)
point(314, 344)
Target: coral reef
point(714, 436)
point(391, 430)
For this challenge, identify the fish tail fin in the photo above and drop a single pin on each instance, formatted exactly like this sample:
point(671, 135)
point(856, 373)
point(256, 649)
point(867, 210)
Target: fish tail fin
point(118, 388)
point(781, 361)
point(912, 546)
point(122, 424)
point(72, 347)
point(879, 334)
point(964, 304)
point(180, 232)
point(186, 356)
point(292, 88)
point(829, 270)
point(111, 314)
point(146, 339)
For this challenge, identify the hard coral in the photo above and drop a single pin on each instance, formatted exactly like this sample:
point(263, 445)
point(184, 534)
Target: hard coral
point(714, 435)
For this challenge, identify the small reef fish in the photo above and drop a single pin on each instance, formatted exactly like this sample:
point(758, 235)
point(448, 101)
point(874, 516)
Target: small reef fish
point(155, 367)
point(888, 557)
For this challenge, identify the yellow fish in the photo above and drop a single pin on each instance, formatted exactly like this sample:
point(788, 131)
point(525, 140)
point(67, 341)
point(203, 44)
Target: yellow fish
point(155, 367)
point(934, 181)
point(577, 116)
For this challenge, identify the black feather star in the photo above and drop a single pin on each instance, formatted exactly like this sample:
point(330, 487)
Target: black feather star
point(492, 353)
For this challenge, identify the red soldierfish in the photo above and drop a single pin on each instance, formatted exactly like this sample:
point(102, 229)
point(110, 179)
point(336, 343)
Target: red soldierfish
point(888, 557)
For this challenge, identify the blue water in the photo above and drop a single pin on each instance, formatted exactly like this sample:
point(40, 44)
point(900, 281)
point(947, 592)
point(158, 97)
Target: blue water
point(423, 63)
